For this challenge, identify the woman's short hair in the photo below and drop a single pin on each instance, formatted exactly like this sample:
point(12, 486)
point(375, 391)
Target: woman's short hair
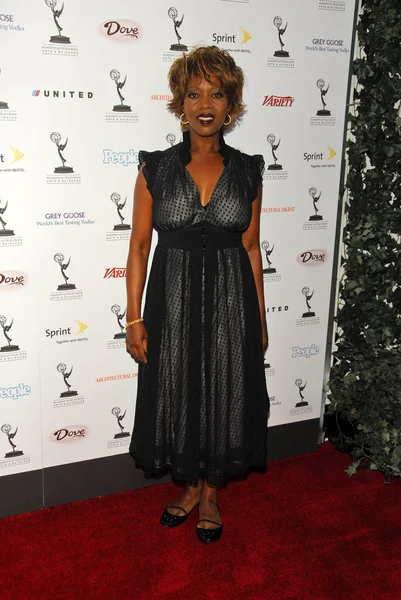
point(206, 62)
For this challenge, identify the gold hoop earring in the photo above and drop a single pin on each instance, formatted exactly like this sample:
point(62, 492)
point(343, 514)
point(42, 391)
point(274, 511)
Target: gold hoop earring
point(183, 122)
point(229, 122)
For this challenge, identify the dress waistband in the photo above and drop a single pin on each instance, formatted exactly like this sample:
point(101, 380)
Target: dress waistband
point(202, 236)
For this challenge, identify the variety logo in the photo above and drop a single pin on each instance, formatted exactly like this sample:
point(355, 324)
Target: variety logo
point(114, 273)
point(283, 101)
point(15, 392)
point(62, 94)
point(121, 30)
point(307, 352)
point(312, 257)
point(12, 279)
point(130, 157)
point(72, 433)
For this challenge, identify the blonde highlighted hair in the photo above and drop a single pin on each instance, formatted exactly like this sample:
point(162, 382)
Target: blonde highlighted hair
point(207, 62)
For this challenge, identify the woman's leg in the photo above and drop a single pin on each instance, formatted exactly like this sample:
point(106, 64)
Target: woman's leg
point(188, 499)
point(208, 507)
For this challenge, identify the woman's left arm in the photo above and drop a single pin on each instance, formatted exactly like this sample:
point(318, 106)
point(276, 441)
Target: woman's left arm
point(251, 242)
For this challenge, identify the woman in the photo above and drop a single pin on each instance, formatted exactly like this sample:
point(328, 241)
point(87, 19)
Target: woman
point(202, 402)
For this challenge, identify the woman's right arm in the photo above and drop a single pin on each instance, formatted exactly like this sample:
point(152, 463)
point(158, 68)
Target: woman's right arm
point(139, 248)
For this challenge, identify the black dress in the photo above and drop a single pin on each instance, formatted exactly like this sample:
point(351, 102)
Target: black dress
point(202, 401)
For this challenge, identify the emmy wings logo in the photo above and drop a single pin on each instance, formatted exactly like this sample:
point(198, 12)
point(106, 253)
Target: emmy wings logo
point(59, 44)
point(321, 159)
point(316, 221)
point(5, 113)
point(121, 230)
point(302, 404)
point(121, 30)
point(15, 456)
point(13, 156)
point(7, 233)
point(281, 56)
point(121, 112)
point(178, 46)
point(10, 351)
point(68, 289)
point(323, 114)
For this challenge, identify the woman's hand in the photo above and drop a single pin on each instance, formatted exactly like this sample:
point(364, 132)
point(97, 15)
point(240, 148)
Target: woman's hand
point(137, 342)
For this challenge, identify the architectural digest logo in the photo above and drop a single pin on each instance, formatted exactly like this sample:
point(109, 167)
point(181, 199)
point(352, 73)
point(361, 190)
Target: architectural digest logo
point(121, 30)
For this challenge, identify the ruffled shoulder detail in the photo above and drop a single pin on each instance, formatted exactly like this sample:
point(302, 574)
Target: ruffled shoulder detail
point(150, 162)
point(258, 168)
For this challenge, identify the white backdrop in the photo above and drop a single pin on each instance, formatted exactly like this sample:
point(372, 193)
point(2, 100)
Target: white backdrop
point(55, 82)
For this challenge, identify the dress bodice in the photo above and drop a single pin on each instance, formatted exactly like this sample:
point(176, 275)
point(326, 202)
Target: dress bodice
point(176, 198)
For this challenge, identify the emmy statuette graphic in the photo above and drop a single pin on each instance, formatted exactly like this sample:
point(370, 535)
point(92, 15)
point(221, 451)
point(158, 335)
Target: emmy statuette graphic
point(6, 328)
point(59, 259)
point(115, 76)
point(170, 139)
point(298, 383)
point(323, 112)
point(57, 39)
point(308, 297)
point(116, 310)
point(277, 22)
point(62, 368)
point(116, 411)
point(173, 14)
point(56, 139)
point(271, 138)
point(313, 194)
point(116, 198)
point(268, 251)
point(3, 105)
point(4, 232)
point(7, 430)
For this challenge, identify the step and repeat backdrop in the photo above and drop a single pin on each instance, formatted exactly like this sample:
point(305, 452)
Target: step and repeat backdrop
point(83, 87)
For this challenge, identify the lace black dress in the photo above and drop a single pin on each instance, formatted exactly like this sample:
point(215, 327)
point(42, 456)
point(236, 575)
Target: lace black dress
point(202, 401)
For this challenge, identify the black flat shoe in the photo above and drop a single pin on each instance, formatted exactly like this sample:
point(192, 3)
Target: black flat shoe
point(169, 520)
point(209, 535)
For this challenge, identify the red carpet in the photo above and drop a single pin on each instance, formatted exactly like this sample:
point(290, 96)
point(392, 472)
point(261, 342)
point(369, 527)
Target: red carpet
point(303, 531)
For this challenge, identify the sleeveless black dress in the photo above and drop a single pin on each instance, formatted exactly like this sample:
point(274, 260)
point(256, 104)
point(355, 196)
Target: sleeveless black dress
point(202, 401)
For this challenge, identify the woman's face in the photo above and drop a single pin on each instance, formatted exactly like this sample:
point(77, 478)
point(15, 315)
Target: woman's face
point(205, 106)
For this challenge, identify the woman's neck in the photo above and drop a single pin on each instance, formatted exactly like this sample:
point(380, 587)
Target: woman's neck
point(205, 145)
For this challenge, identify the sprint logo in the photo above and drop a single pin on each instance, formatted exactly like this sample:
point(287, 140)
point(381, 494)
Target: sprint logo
point(82, 326)
point(17, 154)
point(246, 36)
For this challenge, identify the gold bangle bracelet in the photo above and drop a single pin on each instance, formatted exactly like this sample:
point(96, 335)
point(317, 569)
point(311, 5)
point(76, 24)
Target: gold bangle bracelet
point(133, 322)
